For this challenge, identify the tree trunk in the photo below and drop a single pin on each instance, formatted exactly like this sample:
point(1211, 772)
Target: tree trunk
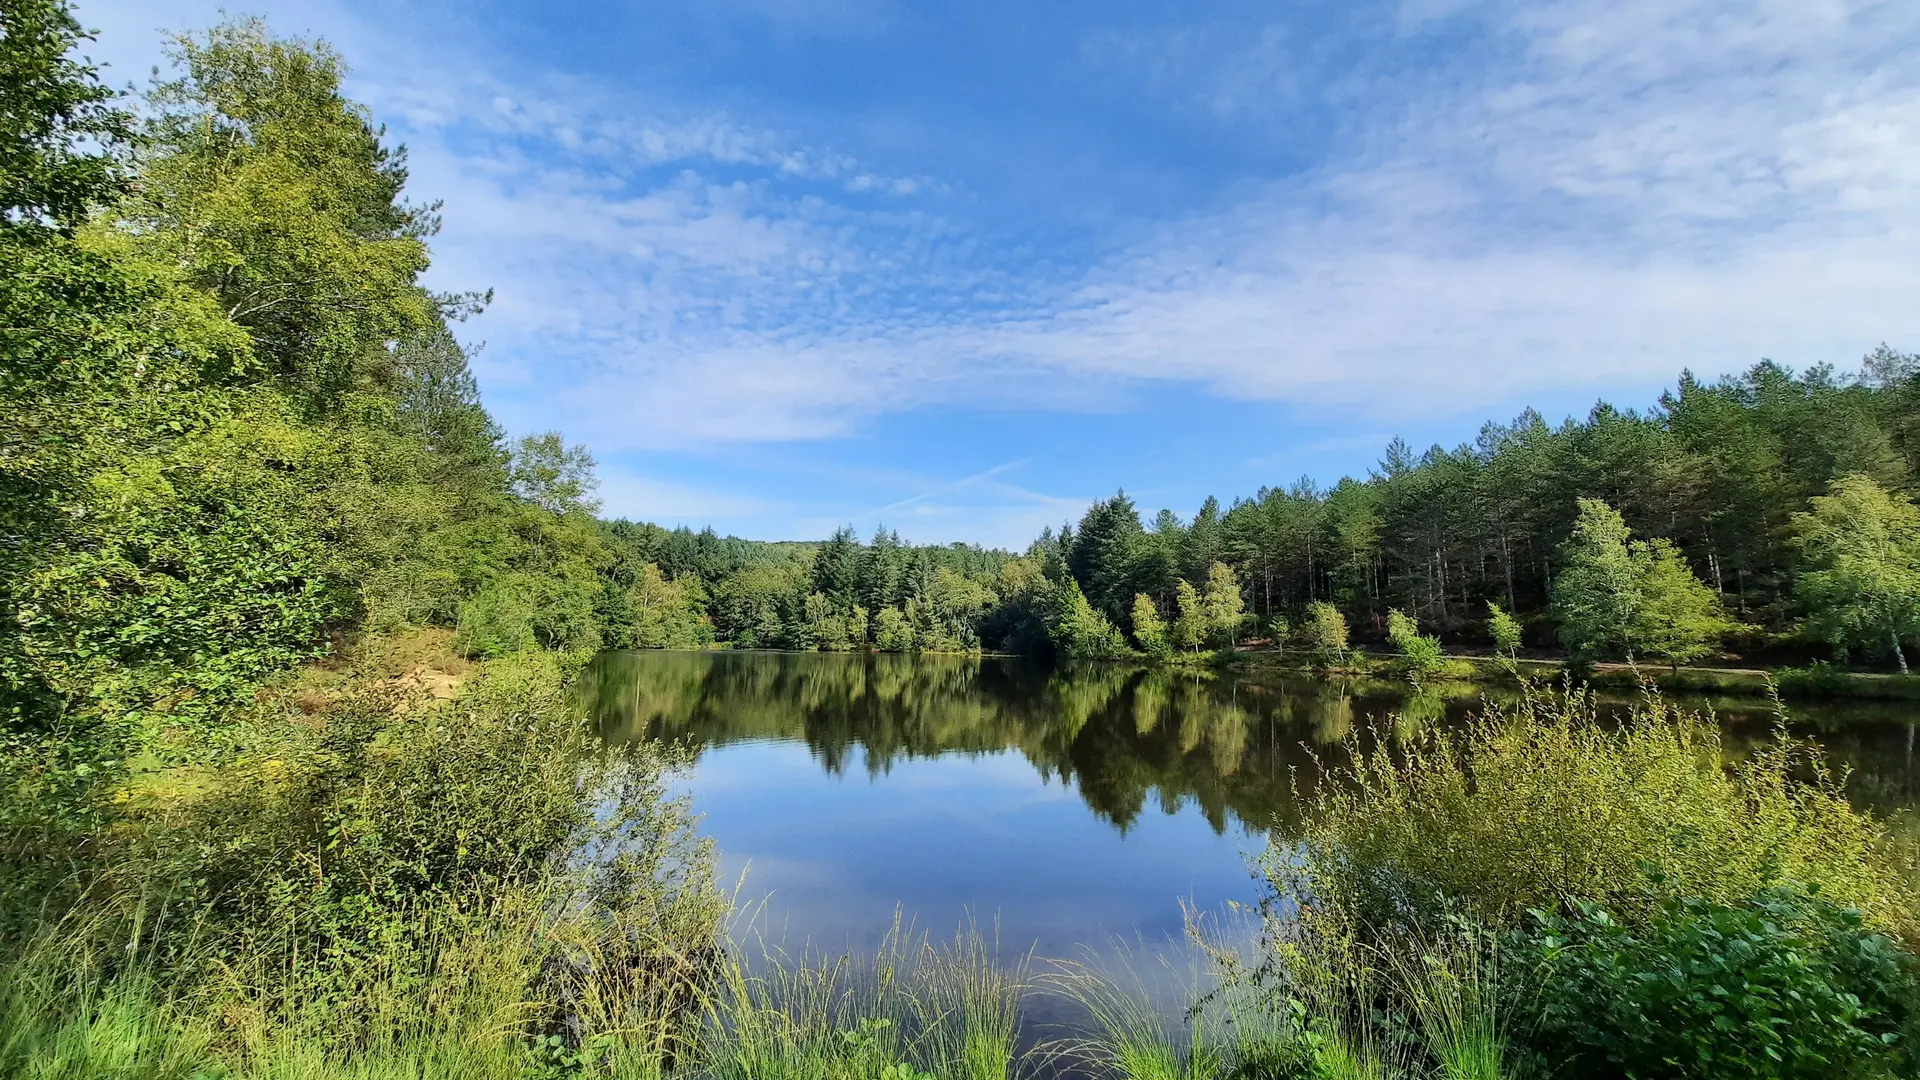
point(1893, 638)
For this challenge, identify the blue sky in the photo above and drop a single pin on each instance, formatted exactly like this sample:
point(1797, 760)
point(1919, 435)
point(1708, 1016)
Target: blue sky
point(960, 268)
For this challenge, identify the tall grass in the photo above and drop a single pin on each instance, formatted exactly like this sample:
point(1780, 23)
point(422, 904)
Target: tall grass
point(1539, 804)
point(948, 1008)
point(492, 1004)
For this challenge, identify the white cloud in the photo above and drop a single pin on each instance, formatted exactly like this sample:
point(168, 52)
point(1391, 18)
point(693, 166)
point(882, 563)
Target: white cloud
point(1639, 187)
point(1606, 191)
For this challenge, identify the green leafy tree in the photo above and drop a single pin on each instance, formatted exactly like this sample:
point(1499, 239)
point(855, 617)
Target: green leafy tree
point(1190, 619)
point(1679, 618)
point(275, 193)
point(667, 613)
point(1860, 577)
point(60, 129)
point(749, 607)
point(1325, 631)
point(1279, 629)
point(1079, 630)
point(1224, 609)
point(1597, 595)
point(1617, 594)
point(556, 477)
point(1149, 629)
point(892, 631)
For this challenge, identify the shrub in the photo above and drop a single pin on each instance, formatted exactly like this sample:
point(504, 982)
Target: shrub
point(1420, 653)
point(1817, 680)
point(1538, 805)
point(1504, 629)
point(1784, 985)
point(497, 621)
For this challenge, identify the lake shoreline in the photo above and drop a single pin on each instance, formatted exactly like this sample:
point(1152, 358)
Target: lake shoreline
point(1789, 684)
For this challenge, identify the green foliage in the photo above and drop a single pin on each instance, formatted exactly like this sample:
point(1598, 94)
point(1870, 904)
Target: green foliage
point(1325, 631)
point(59, 127)
point(1540, 804)
point(1597, 595)
point(275, 194)
point(667, 614)
point(1679, 618)
point(1783, 985)
point(1149, 629)
point(1505, 631)
point(1420, 653)
point(1717, 470)
point(1860, 547)
point(892, 632)
point(1079, 631)
point(497, 621)
point(553, 476)
point(1190, 625)
point(1224, 608)
point(1817, 680)
point(831, 631)
point(1630, 596)
point(750, 608)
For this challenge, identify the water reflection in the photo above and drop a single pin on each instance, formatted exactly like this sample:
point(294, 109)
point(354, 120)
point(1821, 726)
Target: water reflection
point(1063, 802)
point(1125, 737)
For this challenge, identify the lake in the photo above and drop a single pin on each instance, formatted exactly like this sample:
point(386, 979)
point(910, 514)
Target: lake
point(1063, 804)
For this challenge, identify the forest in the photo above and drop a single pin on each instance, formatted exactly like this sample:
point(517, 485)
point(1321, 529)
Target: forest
point(1772, 512)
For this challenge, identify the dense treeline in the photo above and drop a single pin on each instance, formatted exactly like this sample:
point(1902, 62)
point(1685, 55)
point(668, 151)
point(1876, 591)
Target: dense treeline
point(681, 589)
point(1717, 468)
point(1766, 508)
point(1740, 476)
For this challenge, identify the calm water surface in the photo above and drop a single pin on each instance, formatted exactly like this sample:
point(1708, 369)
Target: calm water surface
point(1067, 804)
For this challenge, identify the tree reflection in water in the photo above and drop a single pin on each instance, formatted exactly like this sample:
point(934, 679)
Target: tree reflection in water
point(1121, 735)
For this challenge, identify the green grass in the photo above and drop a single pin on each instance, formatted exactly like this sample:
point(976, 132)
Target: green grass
point(72, 1011)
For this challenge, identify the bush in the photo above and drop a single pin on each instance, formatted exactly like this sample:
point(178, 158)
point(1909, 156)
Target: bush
point(1784, 985)
point(1538, 805)
point(498, 621)
point(1419, 653)
point(1816, 680)
point(1505, 631)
